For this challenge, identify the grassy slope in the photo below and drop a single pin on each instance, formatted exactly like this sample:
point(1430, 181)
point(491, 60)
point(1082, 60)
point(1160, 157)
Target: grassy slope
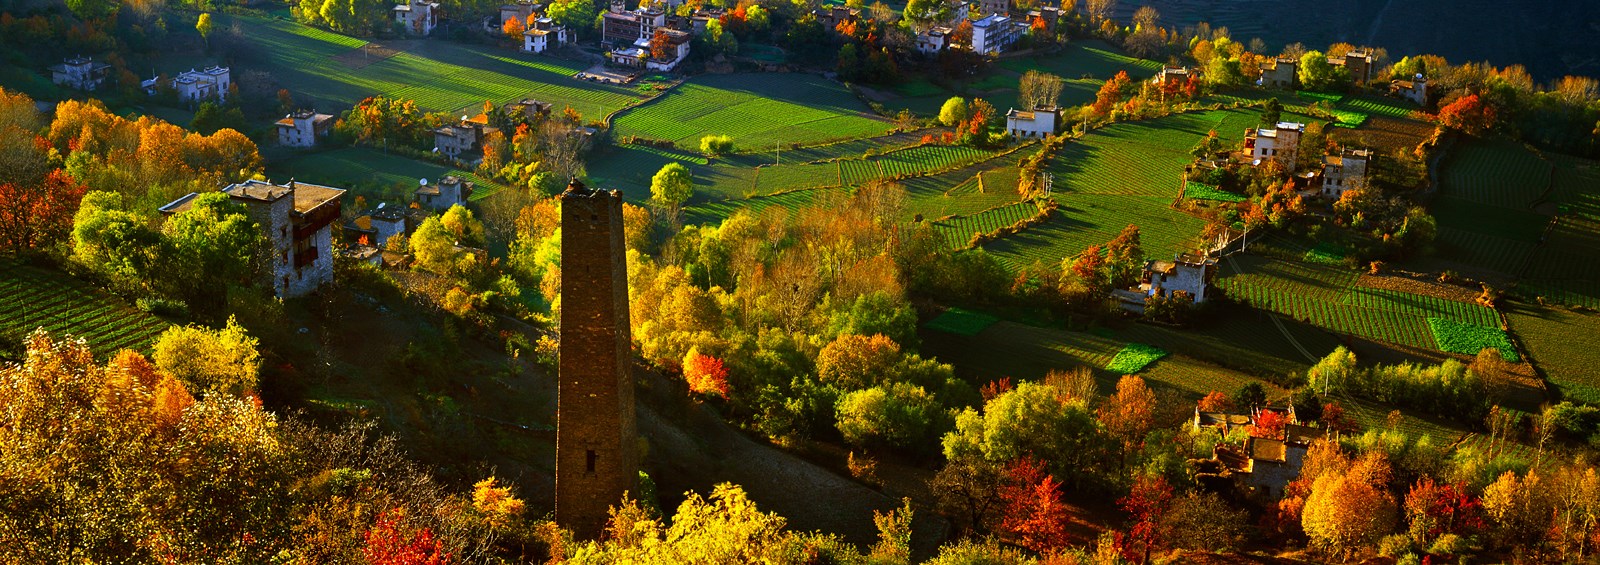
point(439, 75)
point(370, 173)
point(758, 110)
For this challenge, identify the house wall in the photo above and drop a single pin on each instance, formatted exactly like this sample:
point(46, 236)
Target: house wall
point(308, 278)
point(277, 226)
point(303, 134)
point(386, 229)
point(596, 445)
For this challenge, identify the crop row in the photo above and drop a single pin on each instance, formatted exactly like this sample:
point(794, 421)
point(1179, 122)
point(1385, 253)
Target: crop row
point(31, 298)
point(1497, 173)
point(1091, 219)
point(958, 231)
point(1383, 325)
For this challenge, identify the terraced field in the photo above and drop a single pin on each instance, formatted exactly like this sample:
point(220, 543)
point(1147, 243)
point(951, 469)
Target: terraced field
point(958, 231)
point(1325, 296)
point(1549, 335)
point(1497, 173)
point(1089, 219)
point(629, 168)
point(760, 111)
point(439, 75)
point(32, 297)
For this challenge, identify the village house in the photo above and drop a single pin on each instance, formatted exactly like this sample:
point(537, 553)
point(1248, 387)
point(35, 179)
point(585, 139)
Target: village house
point(440, 196)
point(831, 16)
point(1171, 77)
point(1033, 124)
point(1050, 15)
point(1262, 465)
point(1278, 72)
point(1415, 90)
point(194, 86)
point(1344, 171)
point(1189, 273)
point(995, 33)
point(960, 11)
point(933, 40)
point(1281, 142)
point(621, 27)
point(302, 128)
point(542, 34)
point(994, 7)
point(297, 220)
point(374, 227)
point(80, 73)
point(703, 14)
point(522, 10)
point(639, 54)
point(462, 140)
point(1359, 63)
point(418, 17)
point(531, 110)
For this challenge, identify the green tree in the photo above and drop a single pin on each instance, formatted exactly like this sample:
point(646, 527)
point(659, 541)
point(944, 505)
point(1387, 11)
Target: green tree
point(212, 244)
point(1271, 113)
point(467, 229)
point(899, 415)
point(1032, 419)
point(434, 247)
point(954, 111)
point(714, 145)
point(1333, 372)
point(212, 361)
point(670, 188)
point(926, 13)
point(1316, 73)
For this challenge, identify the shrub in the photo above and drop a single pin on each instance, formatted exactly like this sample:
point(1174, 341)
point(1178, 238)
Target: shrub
point(170, 308)
point(713, 145)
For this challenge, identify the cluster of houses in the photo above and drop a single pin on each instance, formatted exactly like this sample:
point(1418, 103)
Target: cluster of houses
point(628, 35)
point(1338, 172)
point(192, 86)
point(298, 220)
point(993, 33)
point(1261, 466)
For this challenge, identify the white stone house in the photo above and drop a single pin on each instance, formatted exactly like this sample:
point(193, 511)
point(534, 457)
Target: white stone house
point(80, 72)
point(543, 34)
point(995, 33)
point(419, 17)
point(1278, 72)
point(195, 86)
point(1344, 171)
point(303, 128)
point(1034, 124)
point(297, 221)
point(440, 196)
point(933, 40)
point(1281, 142)
point(1189, 273)
point(462, 140)
point(1415, 90)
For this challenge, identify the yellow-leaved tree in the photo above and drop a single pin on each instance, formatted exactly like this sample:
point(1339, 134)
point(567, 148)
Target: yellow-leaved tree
point(205, 360)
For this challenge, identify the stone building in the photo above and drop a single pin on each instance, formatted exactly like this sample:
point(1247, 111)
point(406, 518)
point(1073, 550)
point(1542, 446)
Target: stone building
point(417, 17)
point(303, 128)
point(1281, 142)
point(596, 445)
point(440, 196)
point(296, 219)
point(80, 72)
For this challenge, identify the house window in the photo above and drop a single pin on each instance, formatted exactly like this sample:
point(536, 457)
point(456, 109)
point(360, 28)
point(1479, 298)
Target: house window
point(589, 461)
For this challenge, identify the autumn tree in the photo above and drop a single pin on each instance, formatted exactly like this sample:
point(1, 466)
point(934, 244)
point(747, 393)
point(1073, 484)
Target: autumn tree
point(1147, 502)
point(670, 188)
point(1039, 90)
point(513, 29)
point(1350, 510)
point(212, 361)
point(434, 246)
point(1128, 414)
point(1110, 93)
point(460, 222)
point(1215, 401)
point(203, 25)
point(1316, 73)
point(390, 542)
point(969, 490)
point(35, 215)
point(495, 503)
point(1032, 507)
point(1468, 114)
point(661, 46)
point(705, 374)
point(1032, 419)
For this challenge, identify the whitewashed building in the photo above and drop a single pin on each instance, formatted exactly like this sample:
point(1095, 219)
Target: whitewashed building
point(303, 128)
point(418, 17)
point(995, 33)
point(543, 34)
point(195, 86)
point(1033, 124)
point(80, 72)
point(1281, 142)
point(1415, 90)
point(1185, 272)
point(440, 196)
point(1345, 171)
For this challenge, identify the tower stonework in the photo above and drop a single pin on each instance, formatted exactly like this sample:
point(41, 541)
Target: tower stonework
point(596, 449)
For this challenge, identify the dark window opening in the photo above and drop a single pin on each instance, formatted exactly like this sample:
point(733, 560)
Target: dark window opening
point(588, 463)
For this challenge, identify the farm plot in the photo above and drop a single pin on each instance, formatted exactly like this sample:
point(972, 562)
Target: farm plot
point(1134, 357)
point(961, 322)
point(1085, 66)
point(1375, 106)
point(758, 110)
point(32, 298)
point(1089, 219)
point(1144, 158)
point(629, 168)
point(371, 173)
point(964, 191)
point(1085, 60)
point(1498, 173)
point(1198, 191)
point(909, 161)
point(959, 230)
point(1470, 339)
point(1548, 334)
point(772, 179)
point(1567, 267)
point(715, 211)
point(439, 75)
point(1325, 296)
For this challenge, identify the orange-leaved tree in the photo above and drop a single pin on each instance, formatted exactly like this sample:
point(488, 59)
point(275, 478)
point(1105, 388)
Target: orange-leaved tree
point(705, 374)
point(1031, 506)
point(513, 28)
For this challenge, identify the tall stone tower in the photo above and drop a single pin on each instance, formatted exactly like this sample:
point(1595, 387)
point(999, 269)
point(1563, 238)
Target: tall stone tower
point(596, 450)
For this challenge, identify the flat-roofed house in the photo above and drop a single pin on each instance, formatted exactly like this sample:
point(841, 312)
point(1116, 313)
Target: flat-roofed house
point(995, 33)
point(302, 128)
point(462, 140)
point(1032, 124)
point(543, 34)
point(522, 10)
point(1281, 142)
point(1415, 90)
point(195, 86)
point(623, 27)
point(80, 72)
point(1345, 171)
point(1278, 72)
point(418, 17)
point(440, 196)
point(1191, 274)
point(1358, 62)
point(297, 220)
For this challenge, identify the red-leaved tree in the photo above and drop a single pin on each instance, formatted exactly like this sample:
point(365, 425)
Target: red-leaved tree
point(388, 544)
point(705, 374)
point(1031, 506)
point(38, 214)
point(1215, 401)
point(1469, 114)
point(1145, 504)
point(1435, 509)
point(1269, 425)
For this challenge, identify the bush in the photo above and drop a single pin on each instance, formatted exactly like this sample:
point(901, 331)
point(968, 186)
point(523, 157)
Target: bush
point(898, 415)
point(170, 308)
point(713, 145)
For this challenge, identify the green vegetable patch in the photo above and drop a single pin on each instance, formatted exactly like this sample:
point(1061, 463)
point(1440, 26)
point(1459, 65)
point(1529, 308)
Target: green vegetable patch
point(1469, 339)
point(1134, 357)
point(1198, 191)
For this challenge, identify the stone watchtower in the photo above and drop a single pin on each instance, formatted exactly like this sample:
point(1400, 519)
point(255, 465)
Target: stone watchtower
point(596, 450)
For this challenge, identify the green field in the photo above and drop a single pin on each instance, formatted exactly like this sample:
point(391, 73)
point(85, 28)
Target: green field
point(1085, 66)
point(1470, 339)
point(961, 322)
point(31, 297)
point(1326, 296)
point(1565, 269)
point(1134, 357)
point(1198, 191)
point(1090, 219)
point(371, 173)
point(1555, 343)
point(439, 75)
point(1496, 173)
point(958, 231)
point(1484, 209)
point(758, 110)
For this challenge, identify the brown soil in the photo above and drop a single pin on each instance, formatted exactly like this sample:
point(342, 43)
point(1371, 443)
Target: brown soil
point(1417, 284)
point(365, 55)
